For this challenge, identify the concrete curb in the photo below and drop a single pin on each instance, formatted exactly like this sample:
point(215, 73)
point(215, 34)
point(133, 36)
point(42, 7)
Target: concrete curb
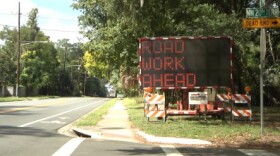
point(147, 137)
point(102, 135)
point(172, 140)
point(107, 130)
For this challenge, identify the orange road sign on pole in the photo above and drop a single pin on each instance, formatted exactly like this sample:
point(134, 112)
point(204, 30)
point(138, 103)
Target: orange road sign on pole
point(261, 23)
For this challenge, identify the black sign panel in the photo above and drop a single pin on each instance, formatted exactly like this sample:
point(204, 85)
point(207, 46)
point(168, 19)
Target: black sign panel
point(185, 62)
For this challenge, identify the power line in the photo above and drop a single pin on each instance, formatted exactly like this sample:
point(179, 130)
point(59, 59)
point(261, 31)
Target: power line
point(8, 25)
point(11, 13)
point(57, 30)
point(70, 19)
point(42, 17)
point(43, 29)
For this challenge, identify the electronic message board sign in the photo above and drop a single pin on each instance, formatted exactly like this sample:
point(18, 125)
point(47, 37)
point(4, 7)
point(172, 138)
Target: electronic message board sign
point(185, 62)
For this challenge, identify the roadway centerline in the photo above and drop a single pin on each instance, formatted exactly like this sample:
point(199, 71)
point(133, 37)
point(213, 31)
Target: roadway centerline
point(68, 148)
point(49, 117)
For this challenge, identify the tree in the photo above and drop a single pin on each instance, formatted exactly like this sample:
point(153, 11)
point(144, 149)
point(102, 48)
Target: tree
point(44, 65)
point(7, 67)
point(38, 59)
point(114, 26)
point(118, 24)
point(8, 55)
point(39, 66)
point(95, 87)
point(70, 58)
point(32, 24)
point(92, 66)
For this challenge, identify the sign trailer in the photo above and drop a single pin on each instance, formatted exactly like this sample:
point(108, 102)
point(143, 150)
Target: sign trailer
point(185, 62)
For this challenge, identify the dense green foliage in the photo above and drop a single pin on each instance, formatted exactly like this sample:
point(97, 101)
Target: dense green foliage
point(53, 68)
point(114, 26)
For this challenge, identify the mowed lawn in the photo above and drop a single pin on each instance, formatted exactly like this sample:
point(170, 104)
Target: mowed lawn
point(215, 130)
point(219, 132)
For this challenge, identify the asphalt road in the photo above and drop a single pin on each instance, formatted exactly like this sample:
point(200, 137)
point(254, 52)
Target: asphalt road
point(29, 128)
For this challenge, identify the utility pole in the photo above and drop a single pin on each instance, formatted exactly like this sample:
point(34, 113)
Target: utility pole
point(64, 58)
point(64, 70)
point(267, 18)
point(262, 51)
point(85, 81)
point(18, 53)
point(262, 57)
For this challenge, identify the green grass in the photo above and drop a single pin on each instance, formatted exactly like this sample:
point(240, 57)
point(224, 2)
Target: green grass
point(192, 127)
point(13, 98)
point(270, 110)
point(10, 99)
point(93, 118)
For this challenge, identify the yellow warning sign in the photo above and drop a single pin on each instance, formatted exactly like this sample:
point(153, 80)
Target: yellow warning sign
point(261, 23)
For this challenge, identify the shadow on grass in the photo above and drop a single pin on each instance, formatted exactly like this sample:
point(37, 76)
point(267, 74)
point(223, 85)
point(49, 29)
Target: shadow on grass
point(137, 108)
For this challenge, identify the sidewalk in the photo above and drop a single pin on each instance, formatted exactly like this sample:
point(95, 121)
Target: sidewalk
point(116, 126)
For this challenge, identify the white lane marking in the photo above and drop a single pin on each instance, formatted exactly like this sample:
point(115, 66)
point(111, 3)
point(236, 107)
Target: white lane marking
point(256, 152)
point(69, 147)
point(64, 118)
point(170, 150)
point(33, 122)
point(53, 122)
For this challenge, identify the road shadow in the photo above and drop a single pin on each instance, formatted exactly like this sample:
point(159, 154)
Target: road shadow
point(14, 110)
point(142, 151)
point(25, 131)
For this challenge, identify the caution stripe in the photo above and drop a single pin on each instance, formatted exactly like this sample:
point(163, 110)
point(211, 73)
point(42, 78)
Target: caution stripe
point(147, 109)
point(152, 98)
point(222, 97)
point(237, 98)
point(182, 112)
point(246, 97)
point(227, 109)
point(156, 98)
point(236, 113)
point(156, 113)
point(242, 113)
point(153, 108)
point(247, 112)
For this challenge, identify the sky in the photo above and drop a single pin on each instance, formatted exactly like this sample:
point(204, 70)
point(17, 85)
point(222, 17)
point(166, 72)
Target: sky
point(56, 18)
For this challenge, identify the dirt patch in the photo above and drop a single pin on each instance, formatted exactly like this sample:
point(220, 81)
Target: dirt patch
point(265, 141)
point(247, 141)
point(241, 141)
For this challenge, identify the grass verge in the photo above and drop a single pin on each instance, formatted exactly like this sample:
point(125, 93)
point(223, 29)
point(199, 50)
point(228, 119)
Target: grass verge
point(13, 98)
point(92, 118)
point(10, 99)
point(196, 127)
